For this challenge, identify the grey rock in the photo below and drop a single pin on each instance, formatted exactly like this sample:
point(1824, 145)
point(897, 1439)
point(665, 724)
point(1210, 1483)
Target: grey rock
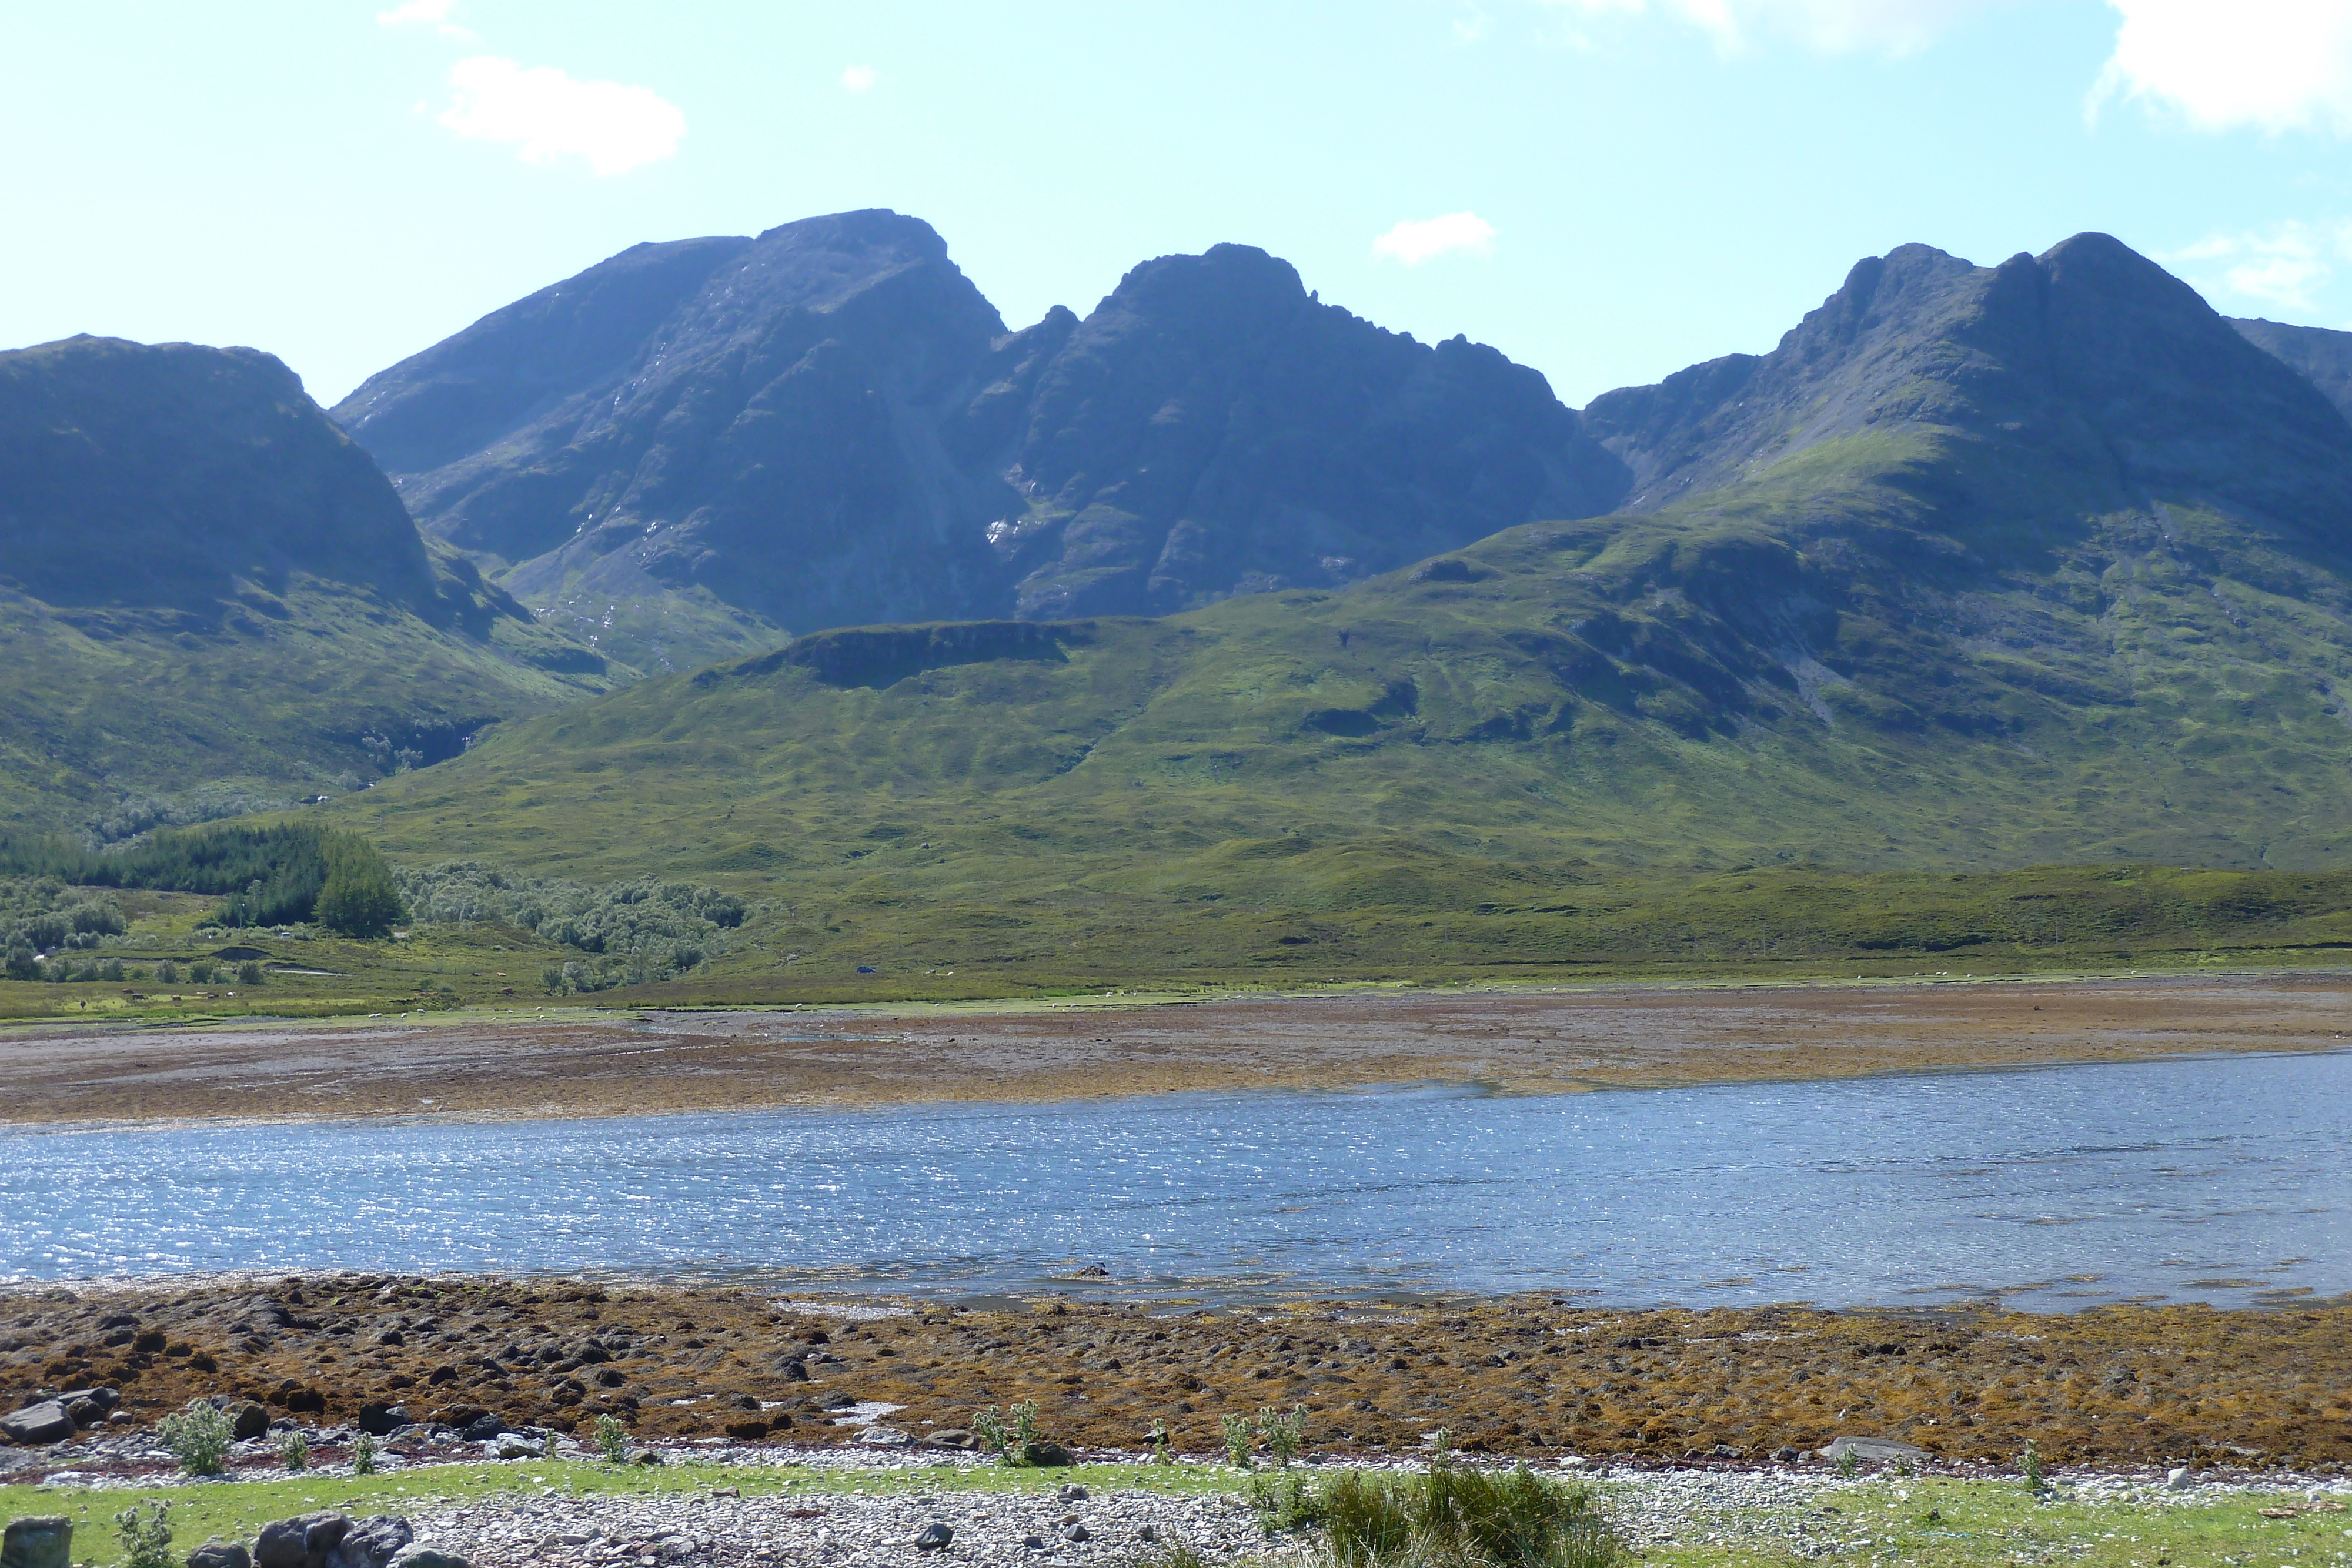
point(934, 1537)
point(880, 1437)
point(1034, 1542)
point(37, 1540)
point(85, 1412)
point(1072, 1493)
point(426, 1555)
point(1046, 1456)
point(952, 1437)
point(2178, 1479)
point(219, 1553)
point(1074, 1532)
point(302, 1541)
point(371, 1543)
point(379, 1420)
point(45, 1422)
point(515, 1446)
point(482, 1428)
point(1878, 1450)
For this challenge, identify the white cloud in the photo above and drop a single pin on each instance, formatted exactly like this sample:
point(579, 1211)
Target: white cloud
point(2277, 65)
point(434, 14)
point(1414, 243)
point(550, 116)
point(1891, 26)
point(859, 78)
point(2285, 266)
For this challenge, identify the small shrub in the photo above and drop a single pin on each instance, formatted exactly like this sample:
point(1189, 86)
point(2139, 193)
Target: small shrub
point(1283, 1435)
point(167, 972)
point(363, 1455)
point(1282, 1503)
point(611, 1440)
point(146, 1541)
point(1849, 1463)
point(1239, 1433)
point(202, 971)
point(111, 970)
point(1159, 1454)
point(294, 1450)
point(198, 1436)
point(2030, 1462)
point(248, 973)
point(1450, 1516)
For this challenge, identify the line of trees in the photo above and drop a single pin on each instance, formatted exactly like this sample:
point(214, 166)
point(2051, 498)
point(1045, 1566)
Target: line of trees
point(275, 875)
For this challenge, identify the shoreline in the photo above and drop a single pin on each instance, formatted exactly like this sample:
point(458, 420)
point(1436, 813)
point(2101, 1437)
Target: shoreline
point(1550, 1040)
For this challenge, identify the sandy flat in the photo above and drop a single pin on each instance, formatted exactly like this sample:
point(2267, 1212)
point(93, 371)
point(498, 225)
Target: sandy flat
point(1527, 1040)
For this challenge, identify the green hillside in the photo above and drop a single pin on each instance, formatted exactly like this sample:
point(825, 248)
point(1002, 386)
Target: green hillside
point(1459, 746)
point(212, 600)
point(1996, 568)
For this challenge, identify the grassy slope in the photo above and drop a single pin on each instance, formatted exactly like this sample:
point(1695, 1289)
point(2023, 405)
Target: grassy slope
point(1650, 740)
point(271, 699)
point(437, 968)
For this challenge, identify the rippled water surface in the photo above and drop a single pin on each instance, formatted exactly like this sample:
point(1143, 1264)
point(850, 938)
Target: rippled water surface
point(2224, 1180)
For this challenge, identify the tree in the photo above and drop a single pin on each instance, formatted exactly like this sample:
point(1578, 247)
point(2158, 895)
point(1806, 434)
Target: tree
point(359, 898)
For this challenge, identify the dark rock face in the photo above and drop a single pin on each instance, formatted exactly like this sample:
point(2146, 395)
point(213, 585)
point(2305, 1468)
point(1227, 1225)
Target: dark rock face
point(1212, 429)
point(160, 474)
point(758, 418)
point(828, 425)
point(2321, 356)
point(2083, 381)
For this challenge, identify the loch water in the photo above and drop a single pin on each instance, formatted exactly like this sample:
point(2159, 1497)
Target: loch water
point(2223, 1179)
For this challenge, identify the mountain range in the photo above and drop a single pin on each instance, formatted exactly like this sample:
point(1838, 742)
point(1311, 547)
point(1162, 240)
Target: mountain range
point(698, 446)
point(1220, 614)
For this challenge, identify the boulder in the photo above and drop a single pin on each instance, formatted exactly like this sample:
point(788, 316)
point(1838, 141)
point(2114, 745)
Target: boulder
point(934, 1537)
point(747, 1431)
point(371, 1543)
point(952, 1437)
point(45, 1422)
point(302, 1541)
point(1875, 1450)
point(37, 1540)
point(482, 1428)
point(381, 1420)
point(515, 1446)
point(247, 1419)
point(426, 1555)
point(219, 1553)
point(1046, 1456)
point(880, 1437)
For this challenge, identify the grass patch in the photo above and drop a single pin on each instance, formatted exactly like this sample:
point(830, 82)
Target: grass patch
point(1964, 1524)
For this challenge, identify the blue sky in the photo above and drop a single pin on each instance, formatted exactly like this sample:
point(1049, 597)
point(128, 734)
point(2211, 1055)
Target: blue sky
point(1605, 189)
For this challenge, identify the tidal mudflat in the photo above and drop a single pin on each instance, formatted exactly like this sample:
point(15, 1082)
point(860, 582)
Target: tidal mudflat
point(571, 1062)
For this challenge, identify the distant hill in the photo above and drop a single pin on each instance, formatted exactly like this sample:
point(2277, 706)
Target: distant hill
point(692, 446)
point(2321, 356)
point(1982, 567)
point(209, 597)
